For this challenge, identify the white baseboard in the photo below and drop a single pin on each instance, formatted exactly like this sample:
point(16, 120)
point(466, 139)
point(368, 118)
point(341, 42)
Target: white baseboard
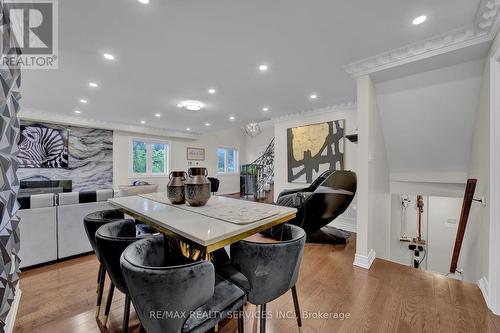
point(11, 317)
point(484, 286)
point(364, 261)
point(347, 224)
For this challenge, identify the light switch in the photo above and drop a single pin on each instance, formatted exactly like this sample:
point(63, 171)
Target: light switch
point(451, 223)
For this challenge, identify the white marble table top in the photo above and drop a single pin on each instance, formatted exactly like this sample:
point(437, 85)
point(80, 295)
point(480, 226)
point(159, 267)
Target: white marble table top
point(208, 232)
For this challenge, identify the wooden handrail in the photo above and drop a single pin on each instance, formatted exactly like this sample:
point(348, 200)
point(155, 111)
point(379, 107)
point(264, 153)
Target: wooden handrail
point(464, 216)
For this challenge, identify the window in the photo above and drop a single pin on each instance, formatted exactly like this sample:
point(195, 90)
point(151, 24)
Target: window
point(149, 158)
point(227, 160)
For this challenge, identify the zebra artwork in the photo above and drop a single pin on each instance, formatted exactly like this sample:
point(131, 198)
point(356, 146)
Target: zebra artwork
point(43, 147)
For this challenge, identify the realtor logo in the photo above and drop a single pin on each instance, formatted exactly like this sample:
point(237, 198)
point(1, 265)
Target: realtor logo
point(33, 34)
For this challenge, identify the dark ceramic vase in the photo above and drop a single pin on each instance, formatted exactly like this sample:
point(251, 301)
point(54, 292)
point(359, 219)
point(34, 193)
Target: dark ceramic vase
point(175, 187)
point(197, 187)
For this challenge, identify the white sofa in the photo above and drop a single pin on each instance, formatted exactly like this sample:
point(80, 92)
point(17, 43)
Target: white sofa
point(52, 227)
point(129, 190)
point(38, 230)
point(71, 236)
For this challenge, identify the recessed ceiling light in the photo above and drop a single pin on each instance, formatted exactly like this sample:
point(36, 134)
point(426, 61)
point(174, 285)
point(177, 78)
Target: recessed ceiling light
point(419, 20)
point(188, 129)
point(232, 118)
point(157, 115)
point(144, 2)
point(78, 111)
point(108, 56)
point(207, 124)
point(84, 101)
point(93, 84)
point(265, 109)
point(263, 68)
point(191, 105)
point(313, 96)
point(143, 122)
point(211, 91)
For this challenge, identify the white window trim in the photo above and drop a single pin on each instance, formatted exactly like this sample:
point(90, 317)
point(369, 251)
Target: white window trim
point(237, 161)
point(148, 174)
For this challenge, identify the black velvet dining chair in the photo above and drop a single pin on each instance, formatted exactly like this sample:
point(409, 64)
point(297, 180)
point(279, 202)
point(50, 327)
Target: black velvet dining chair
point(161, 283)
point(267, 270)
point(92, 222)
point(111, 240)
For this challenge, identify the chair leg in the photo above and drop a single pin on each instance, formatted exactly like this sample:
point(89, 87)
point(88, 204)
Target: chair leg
point(263, 318)
point(240, 320)
point(99, 276)
point(108, 303)
point(99, 293)
point(126, 314)
point(297, 308)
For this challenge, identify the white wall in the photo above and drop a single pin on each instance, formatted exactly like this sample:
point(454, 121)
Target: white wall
point(475, 248)
point(428, 119)
point(373, 222)
point(227, 138)
point(282, 124)
point(443, 189)
point(444, 215)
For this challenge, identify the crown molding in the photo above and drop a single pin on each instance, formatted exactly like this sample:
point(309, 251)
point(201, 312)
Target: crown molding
point(484, 29)
point(33, 115)
point(348, 106)
point(487, 17)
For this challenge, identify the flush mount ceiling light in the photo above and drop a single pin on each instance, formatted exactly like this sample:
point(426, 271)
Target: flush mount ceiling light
point(93, 85)
point(211, 91)
point(232, 118)
point(108, 56)
point(263, 68)
point(188, 129)
point(265, 109)
point(83, 100)
point(207, 124)
point(78, 111)
point(191, 105)
point(143, 122)
point(419, 20)
point(157, 115)
point(313, 96)
point(144, 2)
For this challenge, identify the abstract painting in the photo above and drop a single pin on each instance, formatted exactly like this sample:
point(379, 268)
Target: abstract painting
point(43, 147)
point(313, 149)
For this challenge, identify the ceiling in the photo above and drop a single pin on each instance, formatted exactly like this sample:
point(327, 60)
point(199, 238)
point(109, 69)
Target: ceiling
point(428, 119)
point(169, 51)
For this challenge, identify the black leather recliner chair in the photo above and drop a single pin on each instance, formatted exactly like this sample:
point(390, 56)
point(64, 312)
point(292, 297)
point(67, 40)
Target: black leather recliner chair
point(321, 203)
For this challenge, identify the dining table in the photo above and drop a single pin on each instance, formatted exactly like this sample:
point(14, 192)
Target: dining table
point(201, 231)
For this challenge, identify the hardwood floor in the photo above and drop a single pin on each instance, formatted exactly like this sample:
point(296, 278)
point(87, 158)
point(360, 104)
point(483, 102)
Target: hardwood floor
point(388, 298)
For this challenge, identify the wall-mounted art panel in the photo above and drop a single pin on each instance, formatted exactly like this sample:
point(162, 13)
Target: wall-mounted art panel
point(313, 149)
point(43, 146)
point(90, 159)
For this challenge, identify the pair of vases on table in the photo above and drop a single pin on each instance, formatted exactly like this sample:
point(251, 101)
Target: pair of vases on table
point(193, 187)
